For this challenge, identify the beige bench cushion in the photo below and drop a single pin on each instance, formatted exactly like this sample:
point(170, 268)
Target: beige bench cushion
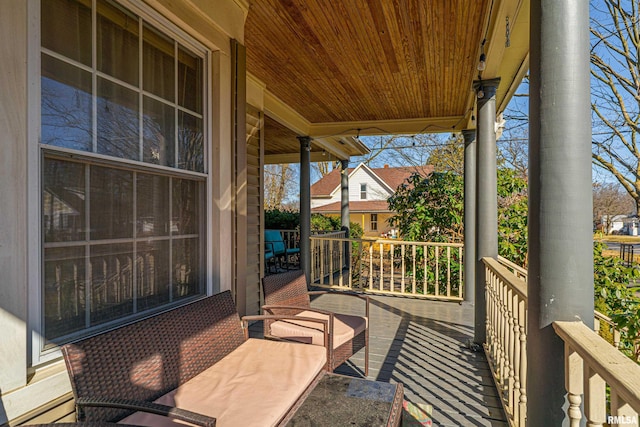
point(255, 385)
point(345, 327)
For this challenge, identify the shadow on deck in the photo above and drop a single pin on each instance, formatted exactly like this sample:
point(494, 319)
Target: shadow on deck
point(424, 345)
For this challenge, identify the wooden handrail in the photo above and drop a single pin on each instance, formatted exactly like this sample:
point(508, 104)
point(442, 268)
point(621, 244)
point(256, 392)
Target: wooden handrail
point(515, 268)
point(588, 354)
point(613, 367)
point(515, 282)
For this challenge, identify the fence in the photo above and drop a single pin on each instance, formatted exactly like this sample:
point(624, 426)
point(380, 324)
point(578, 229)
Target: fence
point(417, 269)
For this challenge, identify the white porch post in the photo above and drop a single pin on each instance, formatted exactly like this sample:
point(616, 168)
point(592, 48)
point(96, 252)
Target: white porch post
point(560, 283)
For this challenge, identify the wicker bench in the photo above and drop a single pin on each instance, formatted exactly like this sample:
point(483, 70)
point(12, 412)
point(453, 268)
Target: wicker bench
point(195, 364)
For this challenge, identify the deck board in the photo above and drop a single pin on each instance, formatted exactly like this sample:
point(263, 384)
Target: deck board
point(424, 345)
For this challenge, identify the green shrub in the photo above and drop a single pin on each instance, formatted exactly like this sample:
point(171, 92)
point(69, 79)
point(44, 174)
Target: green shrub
point(320, 222)
point(611, 276)
point(281, 219)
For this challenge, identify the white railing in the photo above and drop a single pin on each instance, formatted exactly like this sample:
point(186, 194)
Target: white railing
point(591, 364)
point(506, 346)
point(604, 325)
point(291, 238)
point(519, 272)
point(328, 257)
point(506, 294)
point(417, 269)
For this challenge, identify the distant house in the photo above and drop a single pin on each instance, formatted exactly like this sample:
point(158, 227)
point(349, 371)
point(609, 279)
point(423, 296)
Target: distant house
point(620, 224)
point(369, 189)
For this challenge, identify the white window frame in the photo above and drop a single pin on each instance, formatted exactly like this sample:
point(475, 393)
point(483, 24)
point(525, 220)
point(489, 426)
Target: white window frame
point(35, 273)
point(363, 191)
point(373, 223)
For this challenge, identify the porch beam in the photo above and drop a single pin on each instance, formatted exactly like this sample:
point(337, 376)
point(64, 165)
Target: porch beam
point(560, 286)
point(305, 205)
point(469, 215)
point(486, 196)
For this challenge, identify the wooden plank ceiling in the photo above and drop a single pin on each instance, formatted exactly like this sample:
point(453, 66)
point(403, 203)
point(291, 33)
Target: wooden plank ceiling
point(333, 70)
point(361, 61)
point(282, 145)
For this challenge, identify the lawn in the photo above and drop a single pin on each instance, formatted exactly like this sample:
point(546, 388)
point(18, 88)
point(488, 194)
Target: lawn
point(616, 239)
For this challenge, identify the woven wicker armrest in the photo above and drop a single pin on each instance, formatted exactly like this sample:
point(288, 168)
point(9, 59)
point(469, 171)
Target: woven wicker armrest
point(326, 325)
point(152, 408)
point(365, 298)
point(269, 307)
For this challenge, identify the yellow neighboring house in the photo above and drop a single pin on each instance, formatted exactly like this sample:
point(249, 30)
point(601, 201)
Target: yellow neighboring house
point(369, 189)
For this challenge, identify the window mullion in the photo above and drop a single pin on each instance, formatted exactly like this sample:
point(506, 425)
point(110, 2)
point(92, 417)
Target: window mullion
point(175, 112)
point(88, 272)
point(134, 256)
point(141, 87)
point(170, 239)
point(94, 76)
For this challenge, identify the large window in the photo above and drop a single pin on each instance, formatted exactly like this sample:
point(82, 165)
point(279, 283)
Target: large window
point(123, 166)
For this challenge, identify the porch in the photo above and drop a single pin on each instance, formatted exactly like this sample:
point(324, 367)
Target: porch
point(424, 345)
point(301, 81)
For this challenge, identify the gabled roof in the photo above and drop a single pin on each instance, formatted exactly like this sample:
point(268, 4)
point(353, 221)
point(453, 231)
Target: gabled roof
point(392, 177)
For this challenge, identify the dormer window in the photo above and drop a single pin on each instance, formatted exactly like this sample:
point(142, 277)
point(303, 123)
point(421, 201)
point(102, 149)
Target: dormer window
point(363, 191)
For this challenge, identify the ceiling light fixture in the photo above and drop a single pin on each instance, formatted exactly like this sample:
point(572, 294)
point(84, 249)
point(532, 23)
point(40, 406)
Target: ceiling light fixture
point(482, 63)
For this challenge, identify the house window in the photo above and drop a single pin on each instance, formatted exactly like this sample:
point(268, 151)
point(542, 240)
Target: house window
point(374, 222)
point(123, 167)
point(363, 191)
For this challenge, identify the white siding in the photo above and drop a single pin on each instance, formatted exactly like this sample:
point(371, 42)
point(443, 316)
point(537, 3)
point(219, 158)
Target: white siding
point(321, 202)
point(14, 191)
point(375, 191)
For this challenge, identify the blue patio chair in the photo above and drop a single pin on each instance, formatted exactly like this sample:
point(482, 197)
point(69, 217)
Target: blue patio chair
point(268, 257)
point(274, 242)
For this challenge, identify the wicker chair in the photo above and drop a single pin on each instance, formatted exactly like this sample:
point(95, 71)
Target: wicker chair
point(287, 294)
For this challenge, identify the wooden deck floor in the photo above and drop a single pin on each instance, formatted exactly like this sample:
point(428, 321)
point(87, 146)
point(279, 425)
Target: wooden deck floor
point(423, 344)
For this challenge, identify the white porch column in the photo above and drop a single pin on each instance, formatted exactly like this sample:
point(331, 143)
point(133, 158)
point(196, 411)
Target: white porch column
point(560, 283)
